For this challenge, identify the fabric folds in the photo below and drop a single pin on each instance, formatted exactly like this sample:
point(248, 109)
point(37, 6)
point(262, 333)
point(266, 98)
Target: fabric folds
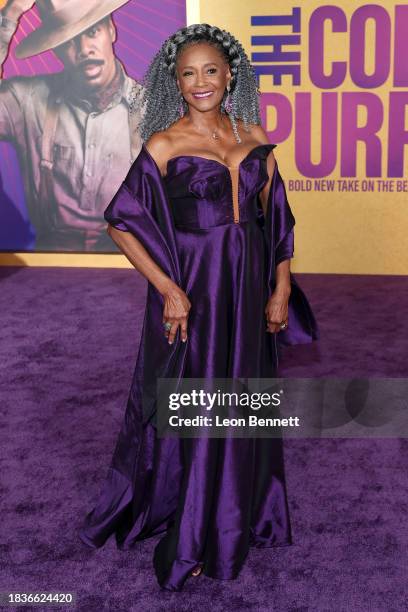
point(211, 498)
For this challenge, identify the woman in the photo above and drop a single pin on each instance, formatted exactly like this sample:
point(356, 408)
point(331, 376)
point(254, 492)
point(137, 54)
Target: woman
point(203, 216)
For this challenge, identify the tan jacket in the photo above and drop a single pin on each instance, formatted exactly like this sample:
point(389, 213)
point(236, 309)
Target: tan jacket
point(92, 153)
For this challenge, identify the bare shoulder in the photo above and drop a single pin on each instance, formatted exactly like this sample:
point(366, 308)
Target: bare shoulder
point(158, 146)
point(258, 133)
point(163, 145)
point(260, 136)
point(157, 143)
point(255, 134)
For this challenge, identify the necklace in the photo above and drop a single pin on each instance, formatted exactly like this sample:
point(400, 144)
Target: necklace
point(214, 134)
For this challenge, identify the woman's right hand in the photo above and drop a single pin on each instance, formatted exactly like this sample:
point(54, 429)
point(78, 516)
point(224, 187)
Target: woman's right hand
point(176, 309)
point(176, 303)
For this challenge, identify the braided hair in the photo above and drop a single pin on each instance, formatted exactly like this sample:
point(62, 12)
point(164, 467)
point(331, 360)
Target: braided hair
point(161, 98)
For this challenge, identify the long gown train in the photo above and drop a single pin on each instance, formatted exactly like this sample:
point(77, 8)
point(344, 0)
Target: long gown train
point(212, 498)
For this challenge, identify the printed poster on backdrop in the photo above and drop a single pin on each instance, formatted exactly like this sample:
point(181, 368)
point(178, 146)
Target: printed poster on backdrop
point(334, 83)
point(61, 163)
point(334, 94)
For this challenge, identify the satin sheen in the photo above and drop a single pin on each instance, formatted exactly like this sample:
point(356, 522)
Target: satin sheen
point(213, 498)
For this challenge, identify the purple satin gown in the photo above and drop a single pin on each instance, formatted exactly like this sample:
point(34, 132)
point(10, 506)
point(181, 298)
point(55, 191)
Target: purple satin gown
point(212, 498)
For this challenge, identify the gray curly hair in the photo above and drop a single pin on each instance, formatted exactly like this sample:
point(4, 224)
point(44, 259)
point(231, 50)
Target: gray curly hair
point(161, 98)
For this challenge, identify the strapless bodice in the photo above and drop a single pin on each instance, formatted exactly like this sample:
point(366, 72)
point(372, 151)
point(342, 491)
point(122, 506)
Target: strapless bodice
point(205, 193)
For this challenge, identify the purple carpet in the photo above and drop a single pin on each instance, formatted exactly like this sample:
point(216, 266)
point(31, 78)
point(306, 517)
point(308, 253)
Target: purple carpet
point(69, 339)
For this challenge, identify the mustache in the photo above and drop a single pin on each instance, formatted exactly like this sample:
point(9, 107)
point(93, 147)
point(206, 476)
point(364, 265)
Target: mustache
point(90, 62)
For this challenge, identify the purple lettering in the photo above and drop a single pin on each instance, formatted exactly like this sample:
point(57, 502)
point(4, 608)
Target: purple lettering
point(382, 46)
point(351, 133)
point(304, 130)
point(316, 47)
point(397, 134)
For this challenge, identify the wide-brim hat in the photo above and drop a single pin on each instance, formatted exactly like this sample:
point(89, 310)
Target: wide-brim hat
point(63, 21)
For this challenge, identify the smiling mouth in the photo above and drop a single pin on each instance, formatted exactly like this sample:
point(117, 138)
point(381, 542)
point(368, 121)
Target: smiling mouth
point(203, 94)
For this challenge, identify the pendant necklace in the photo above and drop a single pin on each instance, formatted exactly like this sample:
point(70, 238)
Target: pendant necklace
point(215, 134)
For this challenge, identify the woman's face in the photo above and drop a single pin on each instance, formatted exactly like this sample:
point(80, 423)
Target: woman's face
point(202, 76)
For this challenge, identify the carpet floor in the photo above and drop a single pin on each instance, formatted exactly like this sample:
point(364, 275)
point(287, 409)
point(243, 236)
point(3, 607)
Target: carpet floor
point(69, 340)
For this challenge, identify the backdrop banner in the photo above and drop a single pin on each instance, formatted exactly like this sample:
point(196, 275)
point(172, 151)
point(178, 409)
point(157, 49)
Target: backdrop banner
point(69, 120)
point(334, 94)
point(334, 82)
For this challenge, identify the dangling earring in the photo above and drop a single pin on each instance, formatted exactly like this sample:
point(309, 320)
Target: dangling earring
point(181, 105)
point(228, 101)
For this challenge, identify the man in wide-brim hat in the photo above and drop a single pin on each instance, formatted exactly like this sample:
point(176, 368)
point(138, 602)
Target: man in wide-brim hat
point(76, 130)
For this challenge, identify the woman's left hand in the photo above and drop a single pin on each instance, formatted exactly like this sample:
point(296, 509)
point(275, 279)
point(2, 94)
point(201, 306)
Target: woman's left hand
point(276, 310)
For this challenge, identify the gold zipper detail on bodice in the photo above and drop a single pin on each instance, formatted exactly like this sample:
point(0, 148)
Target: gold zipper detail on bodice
point(234, 174)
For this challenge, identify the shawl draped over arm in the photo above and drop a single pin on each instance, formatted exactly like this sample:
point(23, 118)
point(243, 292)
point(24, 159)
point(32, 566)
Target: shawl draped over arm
point(278, 227)
point(141, 207)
